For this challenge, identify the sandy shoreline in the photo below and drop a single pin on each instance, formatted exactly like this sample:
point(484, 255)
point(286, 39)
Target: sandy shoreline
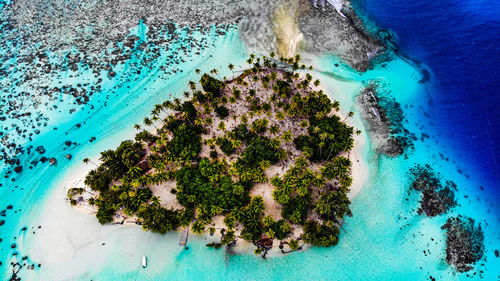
point(359, 167)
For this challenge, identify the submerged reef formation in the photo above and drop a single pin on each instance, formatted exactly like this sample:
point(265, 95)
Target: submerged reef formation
point(262, 156)
point(437, 198)
point(384, 117)
point(464, 240)
point(324, 28)
point(464, 243)
point(25, 112)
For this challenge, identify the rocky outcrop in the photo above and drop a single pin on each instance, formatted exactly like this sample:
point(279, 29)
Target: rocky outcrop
point(264, 244)
point(52, 161)
point(437, 198)
point(464, 243)
point(384, 118)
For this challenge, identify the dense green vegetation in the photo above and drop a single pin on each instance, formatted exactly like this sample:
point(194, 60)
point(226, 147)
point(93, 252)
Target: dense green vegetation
point(327, 137)
point(158, 219)
point(214, 148)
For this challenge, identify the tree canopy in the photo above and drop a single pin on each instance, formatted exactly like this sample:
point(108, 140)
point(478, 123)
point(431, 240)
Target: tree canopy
point(268, 126)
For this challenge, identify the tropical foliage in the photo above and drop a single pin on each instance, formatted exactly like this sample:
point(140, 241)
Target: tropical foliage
point(216, 146)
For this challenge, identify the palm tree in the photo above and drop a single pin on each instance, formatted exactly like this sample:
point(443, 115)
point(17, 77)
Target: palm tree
point(192, 85)
point(198, 227)
point(222, 126)
point(159, 107)
point(295, 67)
point(268, 220)
point(87, 160)
point(301, 162)
point(156, 118)
point(285, 227)
point(273, 76)
point(350, 114)
point(149, 122)
point(255, 78)
point(235, 143)
point(270, 233)
point(250, 59)
point(134, 172)
point(197, 71)
point(336, 105)
point(274, 129)
point(297, 58)
point(137, 126)
point(287, 136)
point(158, 164)
point(282, 155)
point(215, 71)
point(231, 67)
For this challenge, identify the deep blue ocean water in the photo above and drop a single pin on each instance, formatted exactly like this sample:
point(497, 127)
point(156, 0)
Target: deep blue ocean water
point(459, 43)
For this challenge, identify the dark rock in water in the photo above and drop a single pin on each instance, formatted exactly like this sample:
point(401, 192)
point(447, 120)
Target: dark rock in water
point(497, 254)
point(53, 161)
point(393, 147)
point(40, 149)
point(426, 76)
point(10, 207)
point(18, 169)
point(68, 156)
point(385, 122)
point(464, 243)
point(2, 222)
point(67, 143)
point(13, 246)
point(436, 197)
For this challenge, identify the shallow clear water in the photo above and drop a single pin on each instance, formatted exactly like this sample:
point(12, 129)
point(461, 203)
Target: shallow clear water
point(385, 239)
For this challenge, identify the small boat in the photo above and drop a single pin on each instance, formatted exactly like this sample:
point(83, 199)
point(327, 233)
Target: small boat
point(144, 262)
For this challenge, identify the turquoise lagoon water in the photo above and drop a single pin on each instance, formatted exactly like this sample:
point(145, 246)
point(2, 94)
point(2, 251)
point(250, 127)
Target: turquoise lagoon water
point(384, 240)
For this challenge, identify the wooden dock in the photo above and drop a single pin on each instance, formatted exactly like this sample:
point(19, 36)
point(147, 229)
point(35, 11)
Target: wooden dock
point(184, 237)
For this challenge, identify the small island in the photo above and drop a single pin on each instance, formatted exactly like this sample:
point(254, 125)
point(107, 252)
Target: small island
point(262, 156)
